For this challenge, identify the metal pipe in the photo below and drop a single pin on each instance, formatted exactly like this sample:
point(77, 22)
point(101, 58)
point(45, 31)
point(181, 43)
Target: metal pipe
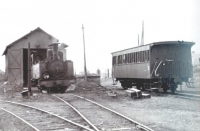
point(55, 50)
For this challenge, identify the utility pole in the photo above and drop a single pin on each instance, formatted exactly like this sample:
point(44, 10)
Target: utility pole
point(85, 69)
point(108, 73)
point(29, 70)
point(142, 38)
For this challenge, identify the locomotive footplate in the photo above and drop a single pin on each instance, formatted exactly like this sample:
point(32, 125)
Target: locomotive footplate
point(55, 83)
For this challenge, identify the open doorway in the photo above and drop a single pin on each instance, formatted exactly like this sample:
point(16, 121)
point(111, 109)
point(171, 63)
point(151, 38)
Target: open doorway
point(35, 53)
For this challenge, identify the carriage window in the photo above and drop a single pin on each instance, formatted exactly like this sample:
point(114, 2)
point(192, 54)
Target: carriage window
point(123, 59)
point(134, 57)
point(120, 59)
point(139, 57)
point(148, 56)
point(131, 57)
point(126, 58)
point(143, 56)
point(114, 60)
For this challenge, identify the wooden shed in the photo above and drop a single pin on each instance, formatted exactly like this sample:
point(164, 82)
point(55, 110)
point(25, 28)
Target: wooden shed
point(16, 54)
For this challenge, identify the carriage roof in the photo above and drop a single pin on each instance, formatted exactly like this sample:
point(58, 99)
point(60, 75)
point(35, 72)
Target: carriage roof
point(147, 46)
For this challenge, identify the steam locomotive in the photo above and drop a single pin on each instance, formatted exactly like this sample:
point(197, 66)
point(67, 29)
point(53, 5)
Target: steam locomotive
point(53, 73)
point(164, 64)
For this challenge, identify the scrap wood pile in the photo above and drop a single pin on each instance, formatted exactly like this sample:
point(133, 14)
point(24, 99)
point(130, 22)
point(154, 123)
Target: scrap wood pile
point(9, 89)
point(85, 86)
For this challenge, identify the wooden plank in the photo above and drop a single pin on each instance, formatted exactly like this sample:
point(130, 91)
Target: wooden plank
point(134, 93)
point(146, 95)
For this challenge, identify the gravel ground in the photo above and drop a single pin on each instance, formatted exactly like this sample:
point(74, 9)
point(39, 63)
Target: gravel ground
point(163, 112)
point(160, 112)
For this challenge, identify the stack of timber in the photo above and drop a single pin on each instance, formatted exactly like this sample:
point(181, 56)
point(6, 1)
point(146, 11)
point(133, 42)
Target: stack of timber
point(135, 93)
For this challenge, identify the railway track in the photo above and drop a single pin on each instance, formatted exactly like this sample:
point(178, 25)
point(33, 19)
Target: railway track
point(187, 96)
point(39, 119)
point(100, 117)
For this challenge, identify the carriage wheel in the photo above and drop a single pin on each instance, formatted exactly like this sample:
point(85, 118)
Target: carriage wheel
point(126, 85)
point(138, 87)
point(48, 89)
point(63, 89)
point(173, 88)
point(165, 87)
point(39, 88)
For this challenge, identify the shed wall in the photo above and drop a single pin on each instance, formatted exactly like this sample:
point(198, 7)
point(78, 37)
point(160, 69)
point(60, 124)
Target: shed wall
point(38, 40)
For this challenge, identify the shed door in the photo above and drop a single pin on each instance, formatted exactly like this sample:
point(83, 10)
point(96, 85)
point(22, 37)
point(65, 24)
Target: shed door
point(15, 66)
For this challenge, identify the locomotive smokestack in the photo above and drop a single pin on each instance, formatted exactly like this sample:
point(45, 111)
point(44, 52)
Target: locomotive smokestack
point(55, 50)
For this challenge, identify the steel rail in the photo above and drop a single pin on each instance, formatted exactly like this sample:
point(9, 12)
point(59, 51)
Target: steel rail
point(78, 112)
point(139, 125)
point(186, 94)
point(188, 98)
point(21, 119)
point(74, 123)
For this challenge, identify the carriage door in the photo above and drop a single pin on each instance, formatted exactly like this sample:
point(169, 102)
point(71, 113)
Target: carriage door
point(15, 66)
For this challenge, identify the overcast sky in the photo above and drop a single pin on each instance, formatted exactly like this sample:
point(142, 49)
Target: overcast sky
point(110, 25)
